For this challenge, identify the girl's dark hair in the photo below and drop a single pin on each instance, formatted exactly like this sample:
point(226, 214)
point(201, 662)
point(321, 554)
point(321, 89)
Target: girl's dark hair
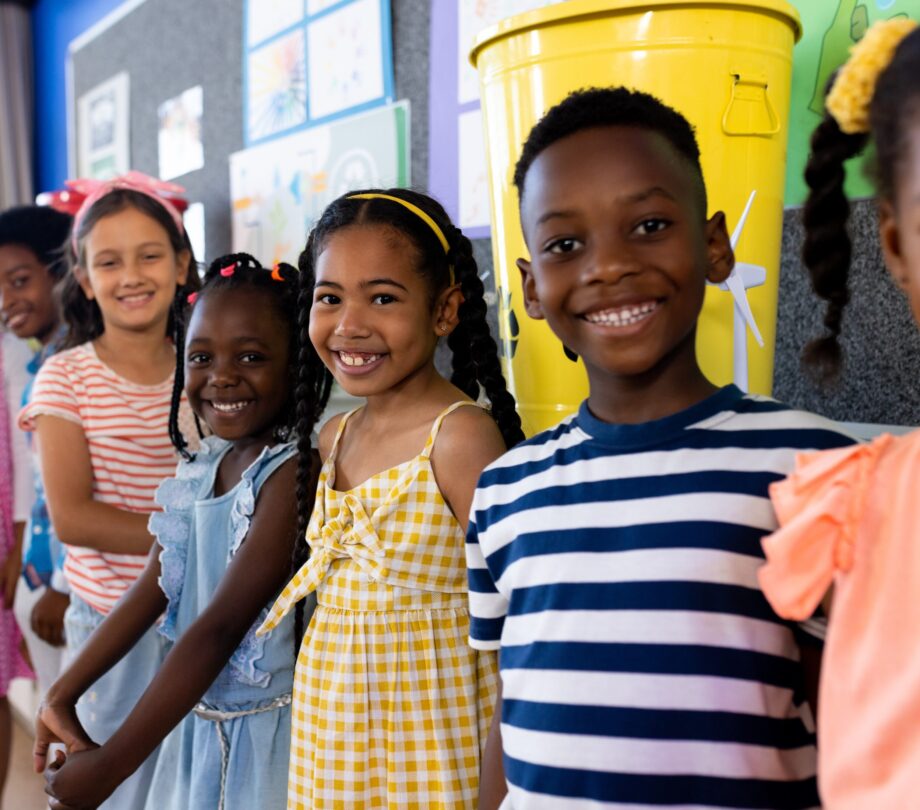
point(827, 249)
point(82, 318)
point(42, 230)
point(306, 400)
point(475, 355)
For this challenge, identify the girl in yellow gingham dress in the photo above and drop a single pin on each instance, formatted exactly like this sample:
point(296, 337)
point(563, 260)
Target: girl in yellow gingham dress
point(391, 705)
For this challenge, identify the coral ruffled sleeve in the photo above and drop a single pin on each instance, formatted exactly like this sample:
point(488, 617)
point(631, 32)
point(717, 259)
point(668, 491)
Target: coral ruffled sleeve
point(819, 508)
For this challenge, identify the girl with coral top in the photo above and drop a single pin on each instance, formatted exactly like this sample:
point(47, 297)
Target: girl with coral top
point(850, 518)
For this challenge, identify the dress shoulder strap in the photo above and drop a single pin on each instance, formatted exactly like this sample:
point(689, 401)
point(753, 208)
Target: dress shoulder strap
point(340, 430)
point(436, 427)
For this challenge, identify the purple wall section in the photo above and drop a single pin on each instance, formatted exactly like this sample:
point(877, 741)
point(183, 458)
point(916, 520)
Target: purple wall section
point(54, 24)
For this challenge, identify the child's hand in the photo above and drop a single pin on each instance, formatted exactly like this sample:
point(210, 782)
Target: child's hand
point(79, 781)
point(57, 723)
point(47, 617)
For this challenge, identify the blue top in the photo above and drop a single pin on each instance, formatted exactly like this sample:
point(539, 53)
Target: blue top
point(199, 535)
point(42, 554)
point(615, 566)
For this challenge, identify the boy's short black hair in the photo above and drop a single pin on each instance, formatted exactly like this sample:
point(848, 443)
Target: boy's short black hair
point(42, 230)
point(609, 106)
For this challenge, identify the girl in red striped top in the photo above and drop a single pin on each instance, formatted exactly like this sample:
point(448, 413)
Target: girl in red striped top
point(100, 410)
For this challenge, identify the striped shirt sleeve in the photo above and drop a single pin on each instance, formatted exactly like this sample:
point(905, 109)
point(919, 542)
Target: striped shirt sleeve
point(52, 395)
point(488, 607)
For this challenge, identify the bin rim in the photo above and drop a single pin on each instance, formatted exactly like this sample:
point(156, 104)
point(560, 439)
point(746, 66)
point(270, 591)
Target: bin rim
point(573, 9)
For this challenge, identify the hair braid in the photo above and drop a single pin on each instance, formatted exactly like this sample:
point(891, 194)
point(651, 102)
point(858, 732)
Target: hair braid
point(311, 395)
point(827, 248)
point(475, 354)
point(178, 335)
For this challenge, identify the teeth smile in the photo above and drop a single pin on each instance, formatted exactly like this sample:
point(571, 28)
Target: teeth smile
point(132, 298)
point(228, 407)
point(352, 359)
point(624, 316)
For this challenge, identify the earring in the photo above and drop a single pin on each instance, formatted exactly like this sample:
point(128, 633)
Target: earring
point(442, 327)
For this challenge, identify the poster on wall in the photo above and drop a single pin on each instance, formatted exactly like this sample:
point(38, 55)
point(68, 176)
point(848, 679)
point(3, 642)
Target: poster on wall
point(179, 144)
point(103, 116)
point(308, 63)
point(279, 189)
point(830, 28)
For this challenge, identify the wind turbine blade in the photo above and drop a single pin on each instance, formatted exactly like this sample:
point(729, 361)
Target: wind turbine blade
point(736, 234)
point(735, 285)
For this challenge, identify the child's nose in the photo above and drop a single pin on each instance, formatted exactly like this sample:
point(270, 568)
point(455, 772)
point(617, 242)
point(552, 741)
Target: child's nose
point(610, 262)
point(351, 323)
point(223, 375)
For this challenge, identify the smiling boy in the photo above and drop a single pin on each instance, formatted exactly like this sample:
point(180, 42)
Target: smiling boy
point(613, 559)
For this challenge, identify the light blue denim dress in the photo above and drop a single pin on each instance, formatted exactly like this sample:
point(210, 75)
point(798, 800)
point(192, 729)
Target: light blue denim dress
point(104, 706)
point(231, 752)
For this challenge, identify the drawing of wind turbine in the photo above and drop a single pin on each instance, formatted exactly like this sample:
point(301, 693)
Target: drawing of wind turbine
point(742, 277)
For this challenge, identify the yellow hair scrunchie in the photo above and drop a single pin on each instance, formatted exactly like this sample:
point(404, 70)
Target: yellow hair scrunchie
point(849, 98)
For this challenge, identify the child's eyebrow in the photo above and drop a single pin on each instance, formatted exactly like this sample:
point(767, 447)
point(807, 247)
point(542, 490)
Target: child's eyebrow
point(654, 191)
point(16, 268)
point(638, 196)
point(389, 282)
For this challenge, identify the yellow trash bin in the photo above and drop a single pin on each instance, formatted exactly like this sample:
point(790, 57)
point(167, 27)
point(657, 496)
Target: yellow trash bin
point(726, 65)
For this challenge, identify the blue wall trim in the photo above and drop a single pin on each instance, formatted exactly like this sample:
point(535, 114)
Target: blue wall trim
point(54, 24)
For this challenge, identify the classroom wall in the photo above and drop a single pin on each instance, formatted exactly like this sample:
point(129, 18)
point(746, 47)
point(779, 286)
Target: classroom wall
point(205, 47)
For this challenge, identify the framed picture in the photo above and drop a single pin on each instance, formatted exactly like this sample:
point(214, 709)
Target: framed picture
point(103, 116)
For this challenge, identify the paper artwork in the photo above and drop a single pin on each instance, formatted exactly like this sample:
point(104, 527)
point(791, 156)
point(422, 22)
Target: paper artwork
point(345, 51)
point(179, 139)
point(474, 176)
point(277, 84)
point(279, 189)
point(102, 130)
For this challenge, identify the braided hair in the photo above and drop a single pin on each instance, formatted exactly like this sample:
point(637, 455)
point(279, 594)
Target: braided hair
point(475, 363)
point(827, 248)
point(82, 316)
point(306, 401)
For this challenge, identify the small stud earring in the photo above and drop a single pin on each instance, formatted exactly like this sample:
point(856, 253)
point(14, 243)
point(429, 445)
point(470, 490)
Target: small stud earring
point(442, 327)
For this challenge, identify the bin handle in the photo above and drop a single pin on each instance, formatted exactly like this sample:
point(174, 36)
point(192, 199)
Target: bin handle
point(749, 87)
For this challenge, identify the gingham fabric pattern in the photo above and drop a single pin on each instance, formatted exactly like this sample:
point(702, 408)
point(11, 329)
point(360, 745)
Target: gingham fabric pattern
point(391, 705)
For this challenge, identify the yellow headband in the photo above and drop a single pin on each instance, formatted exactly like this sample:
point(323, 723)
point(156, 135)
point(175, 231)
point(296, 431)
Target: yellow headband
point(419, 213)
point(849, 98)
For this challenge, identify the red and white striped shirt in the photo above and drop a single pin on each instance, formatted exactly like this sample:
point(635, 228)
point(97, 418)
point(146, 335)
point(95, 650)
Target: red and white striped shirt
point(126, 428)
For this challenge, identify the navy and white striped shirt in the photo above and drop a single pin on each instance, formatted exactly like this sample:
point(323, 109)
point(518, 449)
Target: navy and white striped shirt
point(616, 568)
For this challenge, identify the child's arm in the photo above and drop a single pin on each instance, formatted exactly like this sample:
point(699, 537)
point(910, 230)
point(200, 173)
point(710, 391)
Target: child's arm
point(134, 614)
point(492, 785)
point(79, 519)
point(256, 574)
point(468, 442)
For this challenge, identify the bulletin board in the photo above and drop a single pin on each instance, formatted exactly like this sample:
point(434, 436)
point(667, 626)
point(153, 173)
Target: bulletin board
point(169, 46)
point(311, 61)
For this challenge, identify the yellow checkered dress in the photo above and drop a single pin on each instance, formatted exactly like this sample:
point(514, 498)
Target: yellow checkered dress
point(391, 706)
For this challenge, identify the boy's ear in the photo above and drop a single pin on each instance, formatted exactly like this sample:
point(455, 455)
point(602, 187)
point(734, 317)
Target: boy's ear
point(719, 254)
point(83, 280)
point(529, 285)
point(891, 244)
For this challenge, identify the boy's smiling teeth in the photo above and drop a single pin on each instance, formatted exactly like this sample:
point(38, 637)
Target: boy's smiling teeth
point(358, 358)
point(622, 316)
point(229, 407)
